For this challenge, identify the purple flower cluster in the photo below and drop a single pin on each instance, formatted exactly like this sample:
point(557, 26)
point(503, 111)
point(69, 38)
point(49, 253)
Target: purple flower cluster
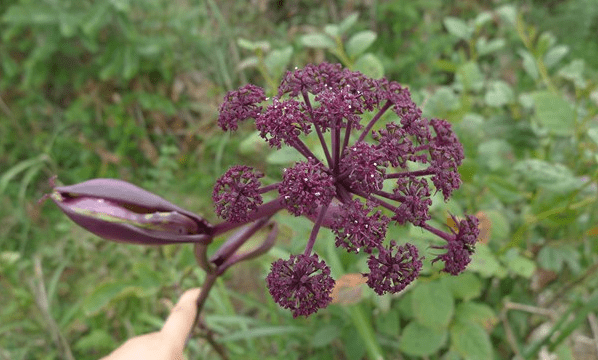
point(360, 184)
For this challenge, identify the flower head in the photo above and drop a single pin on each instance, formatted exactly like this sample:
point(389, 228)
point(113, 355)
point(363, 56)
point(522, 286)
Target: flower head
point(393, 268)
point(301, 284)
point(236, 194)
point(355, 228)
point(283, 121)
point(305, 186)
point(460, 246)
point(362, 169)
point(240, 105)
point(414, 195)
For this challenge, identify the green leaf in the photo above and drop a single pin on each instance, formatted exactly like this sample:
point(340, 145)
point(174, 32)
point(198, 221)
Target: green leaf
point(253, 45)
point(370, 65)
point(419, 340)
point(131, 63)
point(529, 64)
point(466, 286)
point(554, 257)
point(504, 189)
point(433, 305)
point(518, 264)
point(485, 47)
point(260, 332)
point(348, 22)
point(317, 41)
point(508, 13)
point(469, 77)
point(97, 17)
point(499, 93)
point(105, 293)
point(68, 24)
point(593, 134)
point(458, 28)
point(39, 13)
point(482, 18)
point(472, 312)
point(96, 340)
point(443, 101)
point(500, 228)
point(277, 60)
point(555, 55)
point(388, 322)
point(554, 112)
point(574, 72)
point(325, 335)
point(471, 341)
point(496, 155)
point(485, 263)
point(554, 177)
point(359, 43)
point(333, 30)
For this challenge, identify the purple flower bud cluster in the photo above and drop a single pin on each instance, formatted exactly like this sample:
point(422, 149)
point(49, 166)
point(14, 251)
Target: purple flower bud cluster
point(361, 184)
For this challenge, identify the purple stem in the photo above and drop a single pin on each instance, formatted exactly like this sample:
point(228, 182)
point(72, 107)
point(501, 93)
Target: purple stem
point(425, 172)
point(439, 233)
point(268, 209)
point(316, 229)
point(373, 121)
point(265, 189)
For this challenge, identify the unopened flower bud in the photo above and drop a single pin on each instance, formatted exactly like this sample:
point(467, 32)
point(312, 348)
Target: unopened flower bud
point(119, 211)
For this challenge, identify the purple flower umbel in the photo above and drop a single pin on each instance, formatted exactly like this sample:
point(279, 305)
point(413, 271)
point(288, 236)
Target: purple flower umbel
point(360, 184)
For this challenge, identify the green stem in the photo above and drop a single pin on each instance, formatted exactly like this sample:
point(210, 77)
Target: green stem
point(365, 330)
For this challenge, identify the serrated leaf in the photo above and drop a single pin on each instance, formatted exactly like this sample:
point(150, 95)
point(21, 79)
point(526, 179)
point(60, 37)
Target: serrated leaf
point(359, 43)
point(555, 55)
point(433, 305)
point(471, 341)
point(317, 41)
point(458, 28)
point(369, 65)
point(419, 340)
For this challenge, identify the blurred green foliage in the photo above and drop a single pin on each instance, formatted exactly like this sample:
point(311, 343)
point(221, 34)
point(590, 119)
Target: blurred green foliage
point(131, 88)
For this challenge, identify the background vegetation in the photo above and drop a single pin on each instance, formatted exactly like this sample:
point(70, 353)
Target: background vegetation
point(130, 89)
